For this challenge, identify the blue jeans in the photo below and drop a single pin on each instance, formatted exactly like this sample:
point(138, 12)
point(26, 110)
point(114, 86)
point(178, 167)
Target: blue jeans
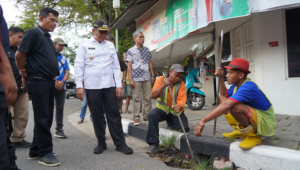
point(157, 115)
point(83, 108)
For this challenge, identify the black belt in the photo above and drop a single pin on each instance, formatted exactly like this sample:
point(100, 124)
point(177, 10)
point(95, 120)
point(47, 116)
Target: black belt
point(44, 76)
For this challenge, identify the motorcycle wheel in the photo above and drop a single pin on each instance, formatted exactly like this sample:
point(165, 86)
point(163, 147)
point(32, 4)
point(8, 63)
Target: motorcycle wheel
point(196, 105)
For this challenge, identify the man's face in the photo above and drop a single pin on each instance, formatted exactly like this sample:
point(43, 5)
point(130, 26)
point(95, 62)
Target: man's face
point(124, 56)
point(233, 76)
point(100, 35)
point(49, 23)
point(15, 39)
point(174, 76)
point(140, 39)
point(59, 47)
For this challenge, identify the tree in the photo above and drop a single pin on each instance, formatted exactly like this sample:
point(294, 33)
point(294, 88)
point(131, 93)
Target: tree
point(74, 15)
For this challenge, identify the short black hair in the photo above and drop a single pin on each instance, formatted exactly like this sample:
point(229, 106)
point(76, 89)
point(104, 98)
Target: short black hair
point(125, 51)
point(110, 37)
point(245, 74)
point(15, 30)
point(45, 12)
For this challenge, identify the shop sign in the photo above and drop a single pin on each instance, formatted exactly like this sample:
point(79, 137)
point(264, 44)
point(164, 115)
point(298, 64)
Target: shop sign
point(169, 20)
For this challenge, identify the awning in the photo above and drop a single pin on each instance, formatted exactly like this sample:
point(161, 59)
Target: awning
point(134, 9)
point(177, 51)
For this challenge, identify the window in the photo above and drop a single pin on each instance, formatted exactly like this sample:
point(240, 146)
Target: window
point(293, 41)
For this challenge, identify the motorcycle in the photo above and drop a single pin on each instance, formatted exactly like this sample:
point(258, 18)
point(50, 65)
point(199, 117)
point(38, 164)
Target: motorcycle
point(195, 97)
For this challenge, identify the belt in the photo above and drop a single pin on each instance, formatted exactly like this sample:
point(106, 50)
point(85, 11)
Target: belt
point(44, 76)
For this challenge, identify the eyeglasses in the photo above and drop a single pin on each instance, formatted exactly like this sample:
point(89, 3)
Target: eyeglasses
point(141, 37)
point(103, 32)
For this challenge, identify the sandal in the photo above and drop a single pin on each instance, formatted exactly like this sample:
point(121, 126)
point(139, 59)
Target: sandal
point(127, 111)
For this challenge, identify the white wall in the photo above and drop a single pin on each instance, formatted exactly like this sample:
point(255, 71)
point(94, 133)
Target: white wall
point(283, 92)
point(269, 62)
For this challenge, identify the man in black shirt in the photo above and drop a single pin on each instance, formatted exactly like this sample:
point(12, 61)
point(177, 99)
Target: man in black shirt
point(8, 94)
point(37, 50)
point(19, 108)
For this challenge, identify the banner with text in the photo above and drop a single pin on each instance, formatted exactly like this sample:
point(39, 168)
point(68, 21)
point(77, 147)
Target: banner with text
point(172, 19)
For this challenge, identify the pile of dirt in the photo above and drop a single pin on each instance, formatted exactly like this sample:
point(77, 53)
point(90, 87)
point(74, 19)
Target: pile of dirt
point(173, 157)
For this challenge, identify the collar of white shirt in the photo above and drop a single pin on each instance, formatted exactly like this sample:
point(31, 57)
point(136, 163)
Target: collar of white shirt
point(94, 40)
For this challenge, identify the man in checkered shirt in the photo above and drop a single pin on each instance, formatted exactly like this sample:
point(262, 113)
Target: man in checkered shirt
point(140, 73)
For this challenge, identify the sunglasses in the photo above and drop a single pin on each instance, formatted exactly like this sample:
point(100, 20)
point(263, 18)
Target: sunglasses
point(103, 32)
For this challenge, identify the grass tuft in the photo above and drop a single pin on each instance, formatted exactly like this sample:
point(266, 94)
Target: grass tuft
point(167, 141)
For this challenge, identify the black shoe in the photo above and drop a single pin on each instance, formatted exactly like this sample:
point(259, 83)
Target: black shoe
point(48, 160)
point(151, 148)
point(124, 149)
point(99, 149)
point(34, 157)
point(23, 144)
point(13, 165)
point(60, 134)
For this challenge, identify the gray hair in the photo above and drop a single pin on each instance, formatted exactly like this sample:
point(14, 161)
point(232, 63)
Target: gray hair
point(110, 37)
point(136, 33)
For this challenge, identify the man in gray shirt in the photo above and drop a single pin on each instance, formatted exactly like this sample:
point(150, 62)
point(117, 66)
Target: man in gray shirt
point(139, 67)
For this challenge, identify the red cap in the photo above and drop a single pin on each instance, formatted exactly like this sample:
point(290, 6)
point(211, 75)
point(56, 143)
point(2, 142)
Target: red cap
point(239, 64)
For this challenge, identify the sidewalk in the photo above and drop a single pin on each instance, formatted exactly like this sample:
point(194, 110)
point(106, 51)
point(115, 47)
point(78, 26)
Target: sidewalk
point(276, 153)
point(287, 127)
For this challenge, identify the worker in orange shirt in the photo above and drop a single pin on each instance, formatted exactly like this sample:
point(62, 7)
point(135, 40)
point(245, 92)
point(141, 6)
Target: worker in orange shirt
point(166, 110)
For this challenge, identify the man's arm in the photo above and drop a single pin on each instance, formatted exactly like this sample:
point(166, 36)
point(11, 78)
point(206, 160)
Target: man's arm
point(129, 69)
point(151, 71)
point(79, 68)
point(21, 64)
point(7, 79)
point(219, 73)
point(60, 84)
point(218, 111)
point(124, 78)
point(159, 87)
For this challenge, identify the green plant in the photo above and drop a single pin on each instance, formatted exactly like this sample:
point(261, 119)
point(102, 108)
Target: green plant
point(231, 139)
point(167, 141)
point(277, 138)
point(203, 165)
point(283, 129)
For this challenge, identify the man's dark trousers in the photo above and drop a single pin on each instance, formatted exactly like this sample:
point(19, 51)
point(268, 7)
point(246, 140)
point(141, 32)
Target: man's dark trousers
point(3, 136)
point(97, 99)
point(59, 112)
point(157, 115)
point(41, 91)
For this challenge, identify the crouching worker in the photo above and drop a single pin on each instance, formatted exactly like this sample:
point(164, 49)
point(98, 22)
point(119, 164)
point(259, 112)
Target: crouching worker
point(165, 109)
point(244, 105)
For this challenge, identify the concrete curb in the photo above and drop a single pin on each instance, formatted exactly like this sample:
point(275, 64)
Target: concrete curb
point(260, 157)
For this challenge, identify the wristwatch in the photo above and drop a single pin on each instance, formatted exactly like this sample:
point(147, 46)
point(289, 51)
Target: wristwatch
point(153, 75)
point(124, 81)
point(64, 81)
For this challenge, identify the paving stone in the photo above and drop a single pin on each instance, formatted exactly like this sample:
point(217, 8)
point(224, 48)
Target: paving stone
point(294, 127)
point(280, 117)
point(281, 143)
point(291, 137)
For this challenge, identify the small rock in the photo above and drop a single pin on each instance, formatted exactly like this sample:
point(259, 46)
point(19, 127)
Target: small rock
point(221, 164)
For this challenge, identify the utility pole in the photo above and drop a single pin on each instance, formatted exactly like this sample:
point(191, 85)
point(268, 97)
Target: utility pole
point(116, 5)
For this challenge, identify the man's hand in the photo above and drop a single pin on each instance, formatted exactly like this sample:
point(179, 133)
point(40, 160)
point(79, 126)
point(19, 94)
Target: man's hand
point(167, 82)
point(199, 128)
point(152, 79)
point(80, 93)
point(123, 84)
point(24, 80)
point(219, 72)
point(119, 92)
point(177, 108)
point(10, 88)
point(59, 84)
point(131, 83)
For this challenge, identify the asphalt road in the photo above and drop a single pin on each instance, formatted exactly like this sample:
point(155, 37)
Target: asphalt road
point(76, 151)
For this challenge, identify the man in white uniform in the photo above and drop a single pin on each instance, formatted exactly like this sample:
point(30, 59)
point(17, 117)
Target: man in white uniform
point(97, 60)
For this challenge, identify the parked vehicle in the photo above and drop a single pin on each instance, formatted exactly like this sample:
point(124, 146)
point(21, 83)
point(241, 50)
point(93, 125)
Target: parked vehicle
point(71, 88)
point(67, 94)
point(195, 97)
